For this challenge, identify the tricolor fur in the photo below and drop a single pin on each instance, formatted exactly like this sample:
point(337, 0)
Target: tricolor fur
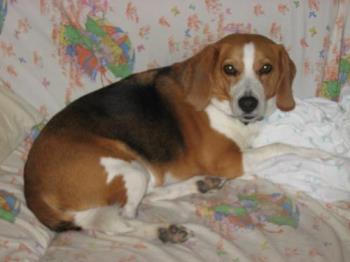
point(96, 159)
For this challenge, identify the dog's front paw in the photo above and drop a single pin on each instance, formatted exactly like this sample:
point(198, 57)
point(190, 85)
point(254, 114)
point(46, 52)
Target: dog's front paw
point(173, 234)
point(209, 183)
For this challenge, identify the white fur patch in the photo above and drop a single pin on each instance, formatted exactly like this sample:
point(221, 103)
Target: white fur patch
point(231, 127)
point(248, 60)
point(106, 219)
point(111, 168)
point(136, 179)
point(176, 190)
point(222, 105)
point(249, 85)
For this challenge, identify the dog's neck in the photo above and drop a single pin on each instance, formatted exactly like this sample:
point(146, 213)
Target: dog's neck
point(232, 128)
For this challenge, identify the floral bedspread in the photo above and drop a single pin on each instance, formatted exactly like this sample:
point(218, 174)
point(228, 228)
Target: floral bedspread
point(56, 50)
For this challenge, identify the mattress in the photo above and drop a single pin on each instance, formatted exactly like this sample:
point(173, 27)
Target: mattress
point(292, 209)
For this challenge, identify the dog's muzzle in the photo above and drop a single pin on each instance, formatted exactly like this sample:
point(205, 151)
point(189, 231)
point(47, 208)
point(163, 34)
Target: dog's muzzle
point(248, 104)
point(248, 100)
point(249, 107)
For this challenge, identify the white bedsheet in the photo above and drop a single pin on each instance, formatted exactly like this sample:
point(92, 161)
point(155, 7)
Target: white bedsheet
point(315, 123)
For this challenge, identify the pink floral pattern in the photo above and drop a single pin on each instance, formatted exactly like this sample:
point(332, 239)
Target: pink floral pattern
point(36, 49)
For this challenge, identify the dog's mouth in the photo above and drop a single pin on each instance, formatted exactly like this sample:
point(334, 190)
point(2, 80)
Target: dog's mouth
point(250, 118)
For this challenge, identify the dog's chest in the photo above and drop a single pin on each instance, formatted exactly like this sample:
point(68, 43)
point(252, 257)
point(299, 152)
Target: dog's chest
point(233, 129)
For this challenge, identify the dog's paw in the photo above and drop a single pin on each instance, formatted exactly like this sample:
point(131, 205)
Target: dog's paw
point(209, 183)
point(173, 234)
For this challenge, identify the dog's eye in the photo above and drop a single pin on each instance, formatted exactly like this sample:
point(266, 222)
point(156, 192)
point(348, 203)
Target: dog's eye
point(265, 69)
point(230, 70)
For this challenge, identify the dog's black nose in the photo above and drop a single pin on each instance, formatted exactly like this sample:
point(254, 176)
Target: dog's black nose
point(248, 103)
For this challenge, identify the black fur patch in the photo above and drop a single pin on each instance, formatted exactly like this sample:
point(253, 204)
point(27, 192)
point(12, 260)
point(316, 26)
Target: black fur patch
point(132, 112)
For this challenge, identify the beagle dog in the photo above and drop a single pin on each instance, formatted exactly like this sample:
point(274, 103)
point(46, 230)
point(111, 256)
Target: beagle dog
point(159, 134)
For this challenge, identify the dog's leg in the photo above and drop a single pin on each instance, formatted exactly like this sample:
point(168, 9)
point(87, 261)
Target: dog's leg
point(253, 156)
point(108, 220)
point(197, 184)
point(114, 220)
point(135, 178)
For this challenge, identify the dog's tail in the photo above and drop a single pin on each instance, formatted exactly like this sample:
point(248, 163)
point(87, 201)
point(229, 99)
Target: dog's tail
point(54, 219)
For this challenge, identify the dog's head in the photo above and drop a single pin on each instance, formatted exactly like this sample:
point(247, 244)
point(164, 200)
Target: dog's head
point(243, 75)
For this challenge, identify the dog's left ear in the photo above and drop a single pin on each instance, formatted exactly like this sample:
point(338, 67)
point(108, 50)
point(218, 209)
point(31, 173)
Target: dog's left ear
point(284, 94)
point(197, 77)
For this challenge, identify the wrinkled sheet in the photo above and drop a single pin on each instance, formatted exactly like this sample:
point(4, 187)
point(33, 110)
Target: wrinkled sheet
point(314, 123)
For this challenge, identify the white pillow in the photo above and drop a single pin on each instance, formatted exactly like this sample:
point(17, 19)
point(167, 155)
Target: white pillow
point(17, 118)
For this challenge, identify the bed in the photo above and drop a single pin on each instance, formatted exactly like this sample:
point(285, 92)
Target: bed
point(292, 209)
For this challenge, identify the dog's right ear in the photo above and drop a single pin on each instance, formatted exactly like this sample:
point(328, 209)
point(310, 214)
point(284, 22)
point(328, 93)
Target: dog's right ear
point(196, 77)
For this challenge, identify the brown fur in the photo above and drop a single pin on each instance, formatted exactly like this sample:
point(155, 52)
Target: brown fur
point(63, 172)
